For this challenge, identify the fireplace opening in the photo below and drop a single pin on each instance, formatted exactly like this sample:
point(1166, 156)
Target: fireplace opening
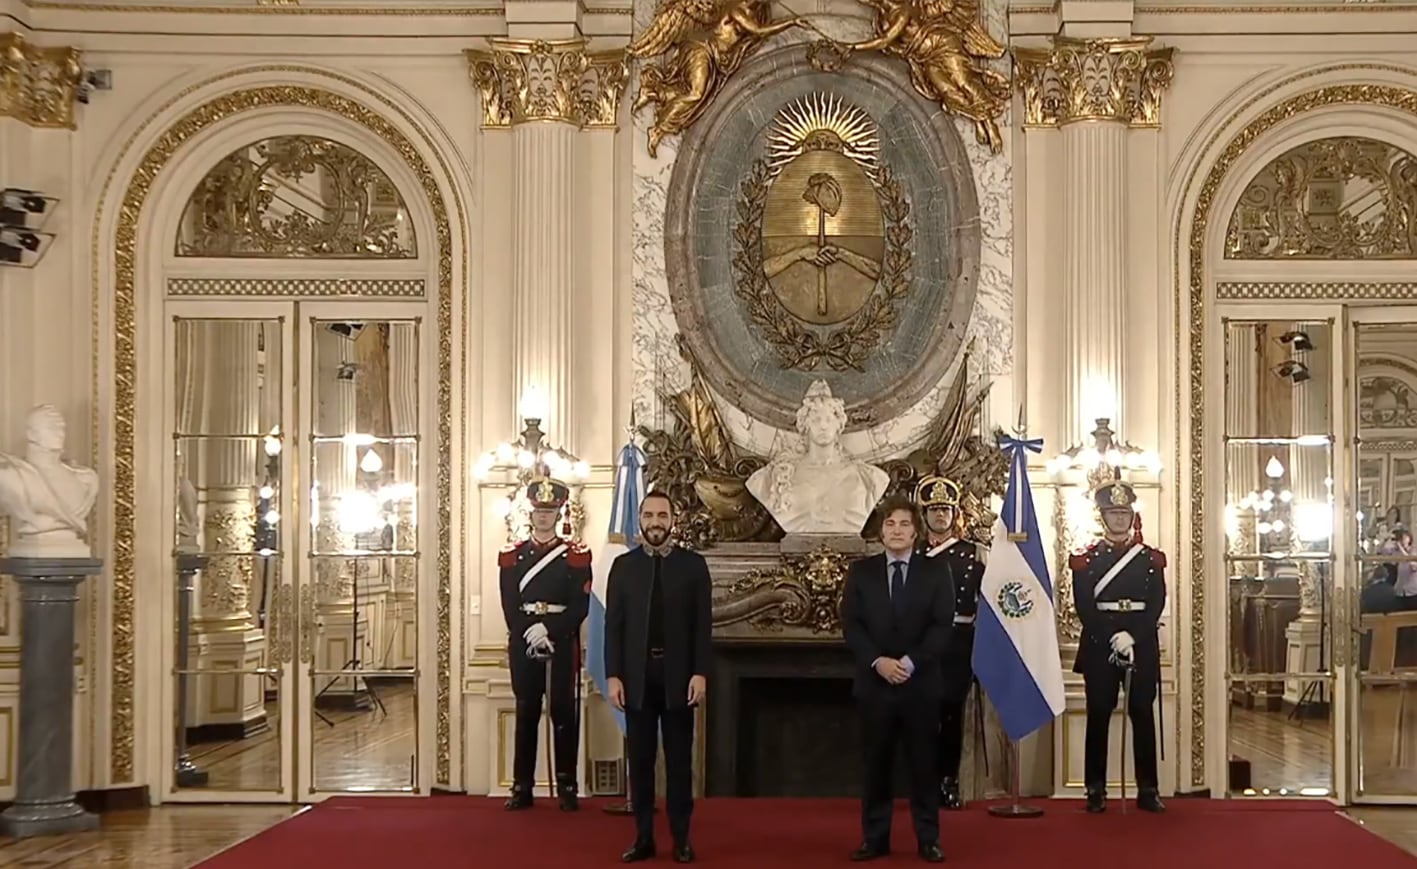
point(784, 724)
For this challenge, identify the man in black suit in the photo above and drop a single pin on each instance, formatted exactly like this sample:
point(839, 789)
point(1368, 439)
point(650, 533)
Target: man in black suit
point(897, 614)
point(658, 603)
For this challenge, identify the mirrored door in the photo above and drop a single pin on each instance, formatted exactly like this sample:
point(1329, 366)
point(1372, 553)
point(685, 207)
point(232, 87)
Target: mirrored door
point(296, 559)
point(1383, 470)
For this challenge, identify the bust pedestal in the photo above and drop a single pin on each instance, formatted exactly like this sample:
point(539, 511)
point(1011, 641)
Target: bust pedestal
point(44, 794)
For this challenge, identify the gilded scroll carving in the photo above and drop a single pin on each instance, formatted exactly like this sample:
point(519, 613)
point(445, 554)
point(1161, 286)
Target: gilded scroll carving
point(1337, 198)
point(540, 80)
point(1094, 80)
point(296, 196)
point(38, 84)
point(804, 593)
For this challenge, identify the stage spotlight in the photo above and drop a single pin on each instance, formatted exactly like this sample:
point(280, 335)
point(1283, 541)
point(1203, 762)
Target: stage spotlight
point(1294, 370)
point(22, 247)
point(25, 209)
point(348, 330)
point(1300, 341)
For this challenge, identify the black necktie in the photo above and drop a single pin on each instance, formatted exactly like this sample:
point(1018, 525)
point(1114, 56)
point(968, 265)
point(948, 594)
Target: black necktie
point(898, 586)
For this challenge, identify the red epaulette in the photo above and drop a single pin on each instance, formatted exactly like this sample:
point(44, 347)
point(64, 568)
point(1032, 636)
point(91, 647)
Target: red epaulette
point(1079, 559)
point(508, 556)
point(577, 555)
point(1158, 559)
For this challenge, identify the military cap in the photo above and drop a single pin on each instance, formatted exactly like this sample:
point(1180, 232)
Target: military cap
point(1116, 495)
point(547, 494)
point(937, 491)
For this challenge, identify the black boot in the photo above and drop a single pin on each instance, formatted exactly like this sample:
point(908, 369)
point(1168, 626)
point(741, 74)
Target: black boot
point(566, 791)
point(949, 793)
point(520, 798)
point(1096, 800)
point(1148, 800)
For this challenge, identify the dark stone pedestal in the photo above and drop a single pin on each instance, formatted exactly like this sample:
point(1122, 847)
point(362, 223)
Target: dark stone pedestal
point(44, 794)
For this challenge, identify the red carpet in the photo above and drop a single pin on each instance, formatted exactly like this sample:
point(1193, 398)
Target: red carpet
point(450, 831)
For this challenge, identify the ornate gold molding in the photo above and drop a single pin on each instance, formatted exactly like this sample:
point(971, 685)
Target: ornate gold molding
point(1195, 313)
point(38, 84)
point(524, 80)
point(1094, 80)
point(804, 592)
point(124, 370)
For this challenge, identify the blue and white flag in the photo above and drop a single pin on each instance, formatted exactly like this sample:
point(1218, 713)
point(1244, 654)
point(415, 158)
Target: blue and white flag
point(1016, 633)
point(624, 534)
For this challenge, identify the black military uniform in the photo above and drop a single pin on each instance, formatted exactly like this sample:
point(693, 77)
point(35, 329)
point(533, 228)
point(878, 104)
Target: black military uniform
point(967, 566)
point(545, 583)
point(1119, 588)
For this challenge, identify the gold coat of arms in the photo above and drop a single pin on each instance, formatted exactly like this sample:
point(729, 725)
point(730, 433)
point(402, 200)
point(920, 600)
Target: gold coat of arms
point(822, 237)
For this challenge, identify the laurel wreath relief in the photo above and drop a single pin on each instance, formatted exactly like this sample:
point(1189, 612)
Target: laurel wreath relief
point(805, 348)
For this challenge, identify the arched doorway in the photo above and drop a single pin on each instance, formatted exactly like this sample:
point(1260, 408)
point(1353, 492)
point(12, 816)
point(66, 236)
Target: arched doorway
point(1299, 246)
point(282, 314)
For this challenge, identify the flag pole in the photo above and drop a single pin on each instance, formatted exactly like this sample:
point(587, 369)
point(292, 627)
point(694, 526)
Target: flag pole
point(1017, 809)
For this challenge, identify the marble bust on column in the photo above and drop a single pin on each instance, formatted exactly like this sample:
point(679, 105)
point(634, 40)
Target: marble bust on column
point(817, 488)
point(48, 499)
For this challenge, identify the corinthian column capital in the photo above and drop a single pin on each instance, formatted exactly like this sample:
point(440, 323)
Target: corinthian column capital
point(1094, 80)
point(38, 85)
point(524, 80)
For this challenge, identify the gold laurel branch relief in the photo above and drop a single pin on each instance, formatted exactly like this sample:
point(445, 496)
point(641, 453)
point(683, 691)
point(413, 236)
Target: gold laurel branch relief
point(125, 386)
point(523, 81)
point(946, 47)
point(38, 85)
point(702, 43)
point(797, 347)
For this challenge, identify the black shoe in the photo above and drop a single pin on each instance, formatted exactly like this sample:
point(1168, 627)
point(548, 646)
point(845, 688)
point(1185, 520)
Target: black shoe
point(637, 852)
point(949, 793)
point(932, 854)
point(683, 854)
point(867, 851)
point(520, 799)
point(1096, 801)
point(1150, 801)
point(567, 795)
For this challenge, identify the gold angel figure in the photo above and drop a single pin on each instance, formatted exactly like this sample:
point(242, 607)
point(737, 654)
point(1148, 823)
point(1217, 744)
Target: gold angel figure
point(707, 40)
point(944, 42)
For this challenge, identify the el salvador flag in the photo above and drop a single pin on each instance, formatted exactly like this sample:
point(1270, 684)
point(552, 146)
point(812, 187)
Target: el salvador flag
point(624, 533)
point(1016, 634)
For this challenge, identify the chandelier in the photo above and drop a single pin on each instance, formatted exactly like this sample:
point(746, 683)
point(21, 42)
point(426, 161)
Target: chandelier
point(526, 458)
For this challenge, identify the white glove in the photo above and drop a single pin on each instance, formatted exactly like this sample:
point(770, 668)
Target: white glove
point(1122, 643)
point(535, 634)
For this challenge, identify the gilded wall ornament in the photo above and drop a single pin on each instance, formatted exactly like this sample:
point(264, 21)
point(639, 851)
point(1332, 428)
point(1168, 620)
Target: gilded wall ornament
point(703, 43)
point(804, 592)
point(946, 46)
point(539, 80)
point(1337, 198)
point(38, 84)
point(296, 196)
point(1094, 80)
point(822, 238)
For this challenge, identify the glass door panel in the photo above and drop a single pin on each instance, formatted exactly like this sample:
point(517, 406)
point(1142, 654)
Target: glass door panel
point(1384, 564)
point(1279, 557)
point(361, 401)
point(232, 616)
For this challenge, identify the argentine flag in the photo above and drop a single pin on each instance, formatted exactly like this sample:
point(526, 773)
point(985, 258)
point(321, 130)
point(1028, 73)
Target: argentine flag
point(1016, 633)
point(624, 533)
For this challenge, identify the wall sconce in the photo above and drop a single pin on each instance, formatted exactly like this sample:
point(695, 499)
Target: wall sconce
point(1105, 459)
point(23, 214)
point(1294, 370)
point(1300, 341)
point(528, 458)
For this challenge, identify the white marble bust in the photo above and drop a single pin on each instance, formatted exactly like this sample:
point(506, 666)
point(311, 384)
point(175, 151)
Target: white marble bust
point(817, 488)
point(48, 499)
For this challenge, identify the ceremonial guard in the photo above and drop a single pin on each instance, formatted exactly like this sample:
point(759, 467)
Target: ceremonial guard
point(939, 498)
point(1119, 588)
point(545, 596)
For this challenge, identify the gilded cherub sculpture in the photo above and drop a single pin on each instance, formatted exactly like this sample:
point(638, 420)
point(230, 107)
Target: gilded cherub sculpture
point(945, 44)
point(706, 41)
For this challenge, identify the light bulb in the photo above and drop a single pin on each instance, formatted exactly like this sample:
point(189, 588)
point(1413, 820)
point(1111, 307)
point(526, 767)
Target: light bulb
point(532, 404)
point(1273, 469)
point(582, 470)
point(505, 453)
point(1114, 457)
point(525, 459)
point(266, 493)
point(272, 517)
point(272, 446)
point(371, 463)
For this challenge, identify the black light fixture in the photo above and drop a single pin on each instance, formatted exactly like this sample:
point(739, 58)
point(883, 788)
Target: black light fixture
point(348, 330)
point(1294, 370)
point(22, 247)
point(1299, 340)
point(23, 214)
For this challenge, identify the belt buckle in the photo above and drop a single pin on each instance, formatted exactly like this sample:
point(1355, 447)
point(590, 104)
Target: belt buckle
point(539, 608)
point(1124, 605)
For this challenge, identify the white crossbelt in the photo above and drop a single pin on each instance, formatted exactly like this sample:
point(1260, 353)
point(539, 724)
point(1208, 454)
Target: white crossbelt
point(964, 620)
point(541, 608)
point(1121, 606)
point(1110, 575)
